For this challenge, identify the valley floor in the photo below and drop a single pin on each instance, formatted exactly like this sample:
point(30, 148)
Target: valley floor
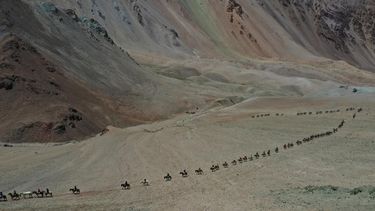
point(322, 174)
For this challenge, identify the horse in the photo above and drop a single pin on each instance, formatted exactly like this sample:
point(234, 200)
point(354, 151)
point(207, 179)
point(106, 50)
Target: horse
point(244, 158)
point(269, 152)
point(125, 186)
point(199, 171)
point(264, 154)
point(145, 182)
point(14, 196)
point(240, 160)
point(184, 173)
point(257, 155)
point(225, 164)
point(277, 150)
point(39, 193)
point(75, 190)
point(27, 195)
point(234, 162)
point(48, 193)
point(168, 178)
point(298, 142)
point(214, 168)
point(3, 197)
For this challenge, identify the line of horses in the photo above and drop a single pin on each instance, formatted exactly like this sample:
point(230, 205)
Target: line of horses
point(307, 112)
point(327, 111)
point(184, 173)
point(27, 195)
point(257, 155)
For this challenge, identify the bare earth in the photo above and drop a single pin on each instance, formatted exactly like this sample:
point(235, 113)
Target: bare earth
point(332, 166)
point(192, 75)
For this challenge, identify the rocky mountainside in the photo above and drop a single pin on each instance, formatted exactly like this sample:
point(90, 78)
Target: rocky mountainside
point(283, 29)
point(69, 68)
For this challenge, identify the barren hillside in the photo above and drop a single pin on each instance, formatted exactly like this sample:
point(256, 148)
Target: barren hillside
point(272, 99)
point(133, 60)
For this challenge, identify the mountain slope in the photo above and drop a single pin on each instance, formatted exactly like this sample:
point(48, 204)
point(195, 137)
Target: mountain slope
point(286, 29)
point(53, 65)
point(126, 62)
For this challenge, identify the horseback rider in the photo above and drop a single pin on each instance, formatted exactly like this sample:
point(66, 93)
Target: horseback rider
point(168, 177)
point(47, 190)
point(256, 155)
point(145, 182)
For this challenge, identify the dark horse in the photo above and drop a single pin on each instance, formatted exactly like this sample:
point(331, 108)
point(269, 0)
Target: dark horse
point(184, 173)
point(256, 155)
point(214, 168)
point(125, 186)
point(39, 193)
point(199, 171)
point(48, 193)
point(3, 197)
point(75, 190)
point(168, 177)
point(145, 182)
point(14, 195)
point(225, 164)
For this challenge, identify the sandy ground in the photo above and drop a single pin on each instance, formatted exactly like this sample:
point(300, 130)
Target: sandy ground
point(98, 166)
